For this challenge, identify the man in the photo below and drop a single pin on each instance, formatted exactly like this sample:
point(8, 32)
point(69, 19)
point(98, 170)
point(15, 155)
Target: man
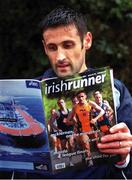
point(81, 114)
point(62, 127)
point(52, 129)
point(103, 123)
point(65, 41)
point(74, 101)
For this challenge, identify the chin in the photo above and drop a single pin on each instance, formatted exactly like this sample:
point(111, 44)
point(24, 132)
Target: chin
point(63, 74)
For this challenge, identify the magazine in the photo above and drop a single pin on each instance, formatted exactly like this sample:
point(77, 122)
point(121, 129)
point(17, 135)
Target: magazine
point(46, 126)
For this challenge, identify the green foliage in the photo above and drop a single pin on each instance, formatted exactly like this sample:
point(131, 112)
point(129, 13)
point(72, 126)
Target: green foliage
point(21, 50)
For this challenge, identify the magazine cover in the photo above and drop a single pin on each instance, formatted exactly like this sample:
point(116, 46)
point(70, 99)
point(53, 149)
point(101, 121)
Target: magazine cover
point(23, 134)
point(78, 111)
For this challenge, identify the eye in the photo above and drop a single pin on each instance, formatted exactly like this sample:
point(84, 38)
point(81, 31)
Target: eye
point(51, 47)
point(68, 44)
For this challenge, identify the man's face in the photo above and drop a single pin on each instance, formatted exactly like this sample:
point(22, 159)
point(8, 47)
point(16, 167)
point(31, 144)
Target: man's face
point(98, 98)
point(65, 50)
point(75, 100)
point(61, 103)
point(82, 98)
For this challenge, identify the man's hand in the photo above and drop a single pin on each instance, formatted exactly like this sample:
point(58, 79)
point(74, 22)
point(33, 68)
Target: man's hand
point(119, 141)
point(93, 121)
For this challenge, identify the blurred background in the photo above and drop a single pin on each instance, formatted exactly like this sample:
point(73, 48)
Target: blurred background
point(21, 51)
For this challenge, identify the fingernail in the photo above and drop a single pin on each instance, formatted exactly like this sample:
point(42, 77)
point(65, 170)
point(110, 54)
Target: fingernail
point(98, 144)
point(102, 139)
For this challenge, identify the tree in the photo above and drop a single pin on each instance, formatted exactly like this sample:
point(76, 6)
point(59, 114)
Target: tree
point(21, 51)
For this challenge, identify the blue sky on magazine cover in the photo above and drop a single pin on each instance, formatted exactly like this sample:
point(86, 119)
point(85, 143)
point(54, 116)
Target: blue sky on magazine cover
point(18, 88)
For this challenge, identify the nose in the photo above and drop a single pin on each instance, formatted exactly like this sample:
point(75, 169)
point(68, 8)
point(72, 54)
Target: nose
point(60, 55)
point(80, 97)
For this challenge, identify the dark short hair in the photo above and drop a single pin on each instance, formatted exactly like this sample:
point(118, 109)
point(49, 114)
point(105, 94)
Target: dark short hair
point(58, 101)
point(64, 16)
point(79, 92)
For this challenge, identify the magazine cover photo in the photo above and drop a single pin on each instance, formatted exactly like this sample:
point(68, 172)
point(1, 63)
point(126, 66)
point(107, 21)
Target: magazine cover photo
point(23, 134)
point(78, 110)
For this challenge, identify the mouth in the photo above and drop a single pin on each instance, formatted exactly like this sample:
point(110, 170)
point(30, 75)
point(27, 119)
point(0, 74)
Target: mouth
point(63, 66)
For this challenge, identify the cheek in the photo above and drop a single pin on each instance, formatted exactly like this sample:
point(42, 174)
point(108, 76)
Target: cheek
point(78, 60)
point(77, 52)
point(79, 55)
point(51, 58)
point(75, 57)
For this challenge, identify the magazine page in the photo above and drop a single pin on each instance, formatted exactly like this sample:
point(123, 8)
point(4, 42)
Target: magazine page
point(78, 111)
point(23, 134)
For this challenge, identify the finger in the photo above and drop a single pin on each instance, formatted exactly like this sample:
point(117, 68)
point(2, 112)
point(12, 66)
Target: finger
point(119, 127)
point(124, 144)
point(117, 137)
point(121, 151)
point(115, 145)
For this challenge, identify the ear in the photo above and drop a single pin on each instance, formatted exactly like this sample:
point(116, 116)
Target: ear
point(88, 40)
point(44, 46)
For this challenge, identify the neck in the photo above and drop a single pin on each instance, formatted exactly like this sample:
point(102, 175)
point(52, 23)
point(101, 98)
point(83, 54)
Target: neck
point(83, 103)
point(64, 109)
point(83, 69)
